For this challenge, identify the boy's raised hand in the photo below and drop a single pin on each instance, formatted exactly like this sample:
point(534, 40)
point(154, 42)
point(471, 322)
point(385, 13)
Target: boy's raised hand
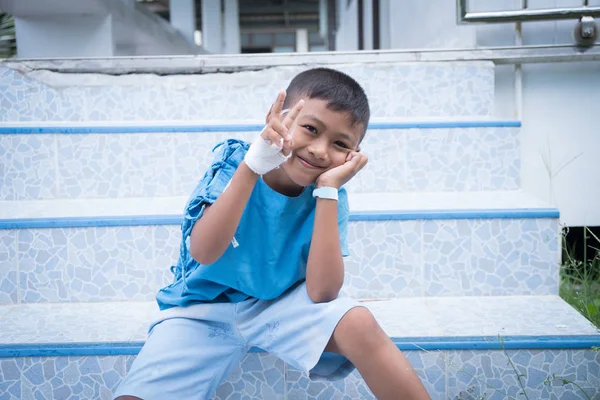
point(339, 176)
point(279, 123)
point(274, 145)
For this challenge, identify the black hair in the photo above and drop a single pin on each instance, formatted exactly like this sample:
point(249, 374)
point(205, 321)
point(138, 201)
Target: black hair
point(340, 91)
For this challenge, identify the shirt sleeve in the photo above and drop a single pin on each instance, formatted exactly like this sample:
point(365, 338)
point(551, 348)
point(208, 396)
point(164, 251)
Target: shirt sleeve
point(343, 216)
point(227, 157)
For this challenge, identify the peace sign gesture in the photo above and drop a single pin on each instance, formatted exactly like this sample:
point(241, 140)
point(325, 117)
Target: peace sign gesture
point(274, 145)
point(279, 123)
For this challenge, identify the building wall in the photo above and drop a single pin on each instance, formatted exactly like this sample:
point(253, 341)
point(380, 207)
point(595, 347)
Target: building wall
point(89, 36)
point(560, 134)
point(346, 38)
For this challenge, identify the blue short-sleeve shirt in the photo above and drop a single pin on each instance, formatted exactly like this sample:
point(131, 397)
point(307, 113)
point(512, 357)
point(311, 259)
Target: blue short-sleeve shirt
point(269, 251)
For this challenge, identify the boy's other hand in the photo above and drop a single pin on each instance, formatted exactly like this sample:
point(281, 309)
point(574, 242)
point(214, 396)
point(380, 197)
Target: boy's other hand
point(339, 176)
point(279, 124)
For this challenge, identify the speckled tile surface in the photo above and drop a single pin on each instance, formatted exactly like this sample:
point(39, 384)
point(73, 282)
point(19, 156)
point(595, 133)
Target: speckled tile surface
point(400, 318)
point(456, 374)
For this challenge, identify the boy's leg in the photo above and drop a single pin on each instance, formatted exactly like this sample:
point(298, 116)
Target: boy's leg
point(297, 330)
point(389, 375)
point(183, 359)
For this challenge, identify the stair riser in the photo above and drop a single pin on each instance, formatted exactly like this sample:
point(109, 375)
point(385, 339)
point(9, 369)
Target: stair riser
point(170, 164)
point(388, 259)
point(452, 374)
point(394, 90)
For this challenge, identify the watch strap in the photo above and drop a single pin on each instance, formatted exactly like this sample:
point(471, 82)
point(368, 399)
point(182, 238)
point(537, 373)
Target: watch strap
point(326, 192)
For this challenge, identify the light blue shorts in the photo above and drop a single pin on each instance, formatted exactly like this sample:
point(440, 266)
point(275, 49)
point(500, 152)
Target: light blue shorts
point(190, 350)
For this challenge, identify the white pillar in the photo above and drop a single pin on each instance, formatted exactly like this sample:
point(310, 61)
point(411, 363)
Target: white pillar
point(384, 25)
point(323, 19)
point(212, 26)
point(65, 36)
point(302, 40)
point(367, 25)
point(183, 18)
point(232, 27)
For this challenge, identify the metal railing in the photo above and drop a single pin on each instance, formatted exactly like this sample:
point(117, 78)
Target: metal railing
point(525, 14)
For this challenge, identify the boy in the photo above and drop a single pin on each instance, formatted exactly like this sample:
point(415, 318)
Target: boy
point(261, 258)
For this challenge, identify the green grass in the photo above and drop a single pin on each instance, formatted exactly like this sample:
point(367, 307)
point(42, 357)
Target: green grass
point(580, 282)
point(585, 298)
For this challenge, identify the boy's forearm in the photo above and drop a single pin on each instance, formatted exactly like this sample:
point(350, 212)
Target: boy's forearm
point(325, 267)
point(213, 232)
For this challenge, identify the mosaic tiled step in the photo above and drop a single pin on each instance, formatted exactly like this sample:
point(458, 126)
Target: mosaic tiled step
point(420, 156)
point(122, 254)
point(393, 89)
point(459, 346)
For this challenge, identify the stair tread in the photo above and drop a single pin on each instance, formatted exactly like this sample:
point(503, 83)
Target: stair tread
point(359, 202)
point(423, 318)
point(404, 122)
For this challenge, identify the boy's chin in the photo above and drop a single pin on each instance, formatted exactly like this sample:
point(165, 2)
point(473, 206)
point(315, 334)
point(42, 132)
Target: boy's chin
point(300, 179)
point(303, 181)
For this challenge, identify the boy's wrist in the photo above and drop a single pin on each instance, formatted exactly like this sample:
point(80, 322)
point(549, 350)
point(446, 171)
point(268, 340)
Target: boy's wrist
point(326, 192)
point(325, 183)
point(249, 170)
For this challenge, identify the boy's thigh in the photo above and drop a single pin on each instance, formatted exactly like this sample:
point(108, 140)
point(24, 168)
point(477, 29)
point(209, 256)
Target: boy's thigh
point(294, 328)
point(183, 359)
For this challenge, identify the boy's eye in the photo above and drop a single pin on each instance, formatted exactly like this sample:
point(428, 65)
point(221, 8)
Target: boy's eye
point(310, 128)
point(342, 145)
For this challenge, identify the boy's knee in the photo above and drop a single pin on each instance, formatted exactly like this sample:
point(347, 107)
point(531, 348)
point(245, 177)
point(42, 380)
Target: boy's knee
point(359, 328)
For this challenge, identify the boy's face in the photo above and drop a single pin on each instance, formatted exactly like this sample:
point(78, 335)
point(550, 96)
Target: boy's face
point(322, 139)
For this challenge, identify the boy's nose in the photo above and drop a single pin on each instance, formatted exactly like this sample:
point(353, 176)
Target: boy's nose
point(318, 150)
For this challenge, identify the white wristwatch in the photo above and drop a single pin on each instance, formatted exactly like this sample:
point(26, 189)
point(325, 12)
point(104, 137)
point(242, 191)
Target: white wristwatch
point(326, 192)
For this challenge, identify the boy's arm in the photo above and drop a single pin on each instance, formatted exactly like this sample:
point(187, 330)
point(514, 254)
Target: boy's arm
point(213, 232)
point(325, 266)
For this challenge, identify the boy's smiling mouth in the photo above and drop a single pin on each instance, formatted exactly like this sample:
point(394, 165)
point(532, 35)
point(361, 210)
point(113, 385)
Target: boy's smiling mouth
point(308, 164)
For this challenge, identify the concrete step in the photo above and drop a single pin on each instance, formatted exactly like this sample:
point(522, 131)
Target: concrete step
point(401, 245)
point(116, 160)
point(460, 347)
point(32, 92)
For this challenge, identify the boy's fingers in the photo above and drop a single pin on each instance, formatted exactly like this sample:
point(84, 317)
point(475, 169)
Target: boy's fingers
point(363, 161)
point(273, 138)
point(287, 148)
point(277, 107)
point(280, 129)
point(357, 162)
point(291, 116)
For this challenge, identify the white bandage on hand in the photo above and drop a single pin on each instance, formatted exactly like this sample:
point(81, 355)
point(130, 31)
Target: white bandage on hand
point(263, 157)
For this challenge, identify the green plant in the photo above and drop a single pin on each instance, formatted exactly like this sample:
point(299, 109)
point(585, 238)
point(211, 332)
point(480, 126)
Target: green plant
point(566, 382)
point(8, 46)
point(580, 280)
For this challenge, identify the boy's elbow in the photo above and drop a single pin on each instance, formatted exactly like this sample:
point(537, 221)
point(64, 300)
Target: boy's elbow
point(201, 256)
point(318, 295)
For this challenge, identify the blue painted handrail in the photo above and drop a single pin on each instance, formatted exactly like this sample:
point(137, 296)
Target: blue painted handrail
point(157, 128)
point(139, 220)
point(415, 343)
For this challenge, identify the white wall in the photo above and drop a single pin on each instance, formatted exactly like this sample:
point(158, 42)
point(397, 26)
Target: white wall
point(426, 25)
point(91, 28)
point(561, 129)
point(561, 138)
point(90, 36)
point(561, 101)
